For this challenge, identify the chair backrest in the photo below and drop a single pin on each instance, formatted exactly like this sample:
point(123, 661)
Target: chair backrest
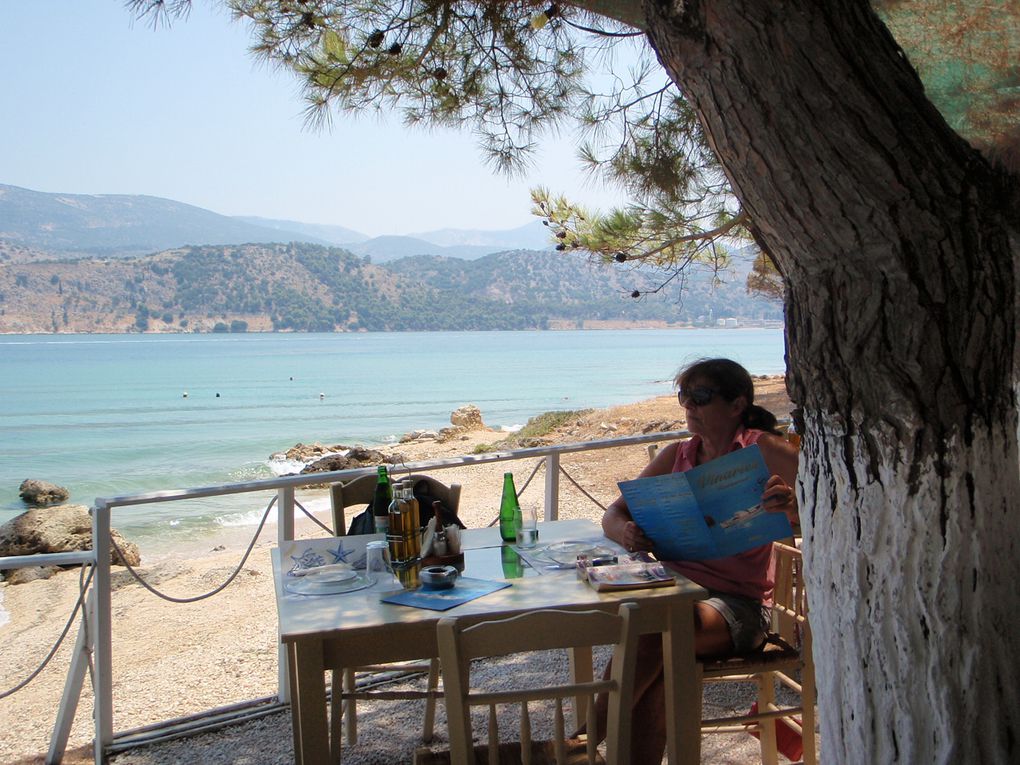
point(789, 598)
point(537, 631)
point(361, 490)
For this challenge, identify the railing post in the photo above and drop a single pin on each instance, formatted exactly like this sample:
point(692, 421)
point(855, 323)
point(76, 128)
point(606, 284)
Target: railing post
point(552, 487)
point(101, 626)
point(284, 533)
point(284, 514)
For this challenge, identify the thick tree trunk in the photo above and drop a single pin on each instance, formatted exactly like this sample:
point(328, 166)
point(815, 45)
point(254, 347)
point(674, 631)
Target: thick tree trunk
point(899, 246)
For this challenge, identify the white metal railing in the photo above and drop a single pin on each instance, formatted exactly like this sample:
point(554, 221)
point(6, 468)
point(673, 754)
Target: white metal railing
point(95, 635)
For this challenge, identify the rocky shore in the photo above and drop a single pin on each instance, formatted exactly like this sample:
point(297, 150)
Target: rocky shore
point(172, 660)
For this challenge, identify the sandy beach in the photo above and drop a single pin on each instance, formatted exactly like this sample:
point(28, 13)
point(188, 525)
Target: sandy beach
point(174, 660)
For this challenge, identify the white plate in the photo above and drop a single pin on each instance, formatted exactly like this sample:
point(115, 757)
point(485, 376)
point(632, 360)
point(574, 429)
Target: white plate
point(327, 584)
point(565, 553)
point(334, 575)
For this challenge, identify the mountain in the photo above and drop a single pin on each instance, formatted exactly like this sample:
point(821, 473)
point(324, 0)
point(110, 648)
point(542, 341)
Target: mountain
point(292, 230)
point(115, 224)
point(37, 224)
point(383, 249)
point(306, 287)
point(531, 236)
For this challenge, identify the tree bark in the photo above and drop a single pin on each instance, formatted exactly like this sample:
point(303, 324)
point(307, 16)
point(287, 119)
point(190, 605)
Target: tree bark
point(899, 245)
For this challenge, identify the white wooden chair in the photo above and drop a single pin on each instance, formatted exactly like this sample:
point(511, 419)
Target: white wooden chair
point(361, 491)
point(787, 652)
point(344, 695)
point(536, 631)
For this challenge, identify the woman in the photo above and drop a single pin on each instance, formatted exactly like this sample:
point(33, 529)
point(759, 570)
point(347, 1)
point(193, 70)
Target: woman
point(718, 397)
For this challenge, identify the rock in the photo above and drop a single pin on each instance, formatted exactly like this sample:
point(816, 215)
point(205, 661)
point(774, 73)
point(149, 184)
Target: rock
point(419, 435)
point(41, 493)
point(468, 417)
point(30, 574)
point(365, 457)
point(355, 457)
point(451, 433)
point(328, 464)
point(532, 443)
point(663, 426)
point(66, 528)
point(310, 452)
point(607, 427)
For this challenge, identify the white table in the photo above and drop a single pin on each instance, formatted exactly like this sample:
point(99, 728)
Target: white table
point(356, 629)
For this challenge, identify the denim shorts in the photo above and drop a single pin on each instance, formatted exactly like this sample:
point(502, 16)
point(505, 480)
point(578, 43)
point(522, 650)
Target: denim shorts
point(747, 618)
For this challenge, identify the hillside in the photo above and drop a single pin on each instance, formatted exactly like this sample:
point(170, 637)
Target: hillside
point(40, 225)
point(305, 287)
point(116, 224)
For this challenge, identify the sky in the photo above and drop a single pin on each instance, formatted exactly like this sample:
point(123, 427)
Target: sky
point(97, 103)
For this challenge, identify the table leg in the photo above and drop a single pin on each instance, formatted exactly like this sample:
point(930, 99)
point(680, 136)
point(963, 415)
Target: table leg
point(308, 704)
point(581, 671)
point(295, 716)
point(683, 691)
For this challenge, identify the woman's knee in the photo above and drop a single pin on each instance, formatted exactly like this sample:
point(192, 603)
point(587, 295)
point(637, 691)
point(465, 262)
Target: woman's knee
point(711, 632)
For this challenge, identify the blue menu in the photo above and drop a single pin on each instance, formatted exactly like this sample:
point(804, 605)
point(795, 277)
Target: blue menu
point(711, 511)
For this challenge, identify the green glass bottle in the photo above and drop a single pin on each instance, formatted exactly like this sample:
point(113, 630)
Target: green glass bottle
point(381, 501)
point(509, 510)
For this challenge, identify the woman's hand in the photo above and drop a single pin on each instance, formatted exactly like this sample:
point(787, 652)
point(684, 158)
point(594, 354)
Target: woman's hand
point(634, 539)
point(779, 497)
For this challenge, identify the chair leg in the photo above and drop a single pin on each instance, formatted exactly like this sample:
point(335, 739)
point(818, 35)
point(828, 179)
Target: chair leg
point(767, 728)
point(430, 702)
point(335, 715)
point(807, 698)
point(350, 708)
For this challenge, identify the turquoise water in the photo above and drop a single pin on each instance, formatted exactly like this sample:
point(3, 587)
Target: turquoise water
point(106, 415)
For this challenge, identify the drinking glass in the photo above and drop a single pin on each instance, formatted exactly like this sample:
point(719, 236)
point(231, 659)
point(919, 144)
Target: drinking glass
point(377, 560)
point(527, 529)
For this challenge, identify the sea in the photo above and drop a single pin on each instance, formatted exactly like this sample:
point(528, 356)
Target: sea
point(112, 415)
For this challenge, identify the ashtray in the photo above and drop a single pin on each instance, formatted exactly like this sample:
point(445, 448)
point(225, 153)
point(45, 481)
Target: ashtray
point(438, 577)
point(457, 561)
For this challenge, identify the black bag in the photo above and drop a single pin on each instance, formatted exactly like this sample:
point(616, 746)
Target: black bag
point(362, 523)
point(426, 508)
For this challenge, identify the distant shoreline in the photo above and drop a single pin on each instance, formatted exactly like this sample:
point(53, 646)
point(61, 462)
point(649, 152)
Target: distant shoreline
point(594, 325)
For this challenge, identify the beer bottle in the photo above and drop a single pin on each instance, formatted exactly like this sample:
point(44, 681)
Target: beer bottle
point(509, 510)
point(381, 501)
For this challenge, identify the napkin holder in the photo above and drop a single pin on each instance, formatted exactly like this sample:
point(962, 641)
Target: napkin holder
point(441, 547)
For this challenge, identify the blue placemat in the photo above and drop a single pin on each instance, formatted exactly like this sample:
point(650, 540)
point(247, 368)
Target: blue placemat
point(464, 590)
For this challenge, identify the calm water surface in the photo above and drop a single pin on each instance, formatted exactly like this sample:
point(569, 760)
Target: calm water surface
point(107, 415)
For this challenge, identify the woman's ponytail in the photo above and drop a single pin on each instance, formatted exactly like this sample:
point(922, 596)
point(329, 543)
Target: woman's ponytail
point(760, 418)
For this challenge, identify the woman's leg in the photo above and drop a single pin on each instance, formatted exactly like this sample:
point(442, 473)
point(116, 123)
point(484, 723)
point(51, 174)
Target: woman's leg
point(648, 740)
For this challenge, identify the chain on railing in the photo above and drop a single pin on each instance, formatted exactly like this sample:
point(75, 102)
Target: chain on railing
point(581, 488)
point(315, 520)
point(83, 586)
point(100, 671)
point(218, 589)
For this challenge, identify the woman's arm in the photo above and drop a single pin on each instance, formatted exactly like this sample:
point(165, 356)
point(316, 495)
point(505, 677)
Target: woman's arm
point(616, 521)
point(781, 459)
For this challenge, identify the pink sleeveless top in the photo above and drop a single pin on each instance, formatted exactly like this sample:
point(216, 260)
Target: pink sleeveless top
point(746, 574)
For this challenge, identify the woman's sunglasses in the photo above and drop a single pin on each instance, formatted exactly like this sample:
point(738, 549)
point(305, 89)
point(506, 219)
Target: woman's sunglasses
point(697, 396)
